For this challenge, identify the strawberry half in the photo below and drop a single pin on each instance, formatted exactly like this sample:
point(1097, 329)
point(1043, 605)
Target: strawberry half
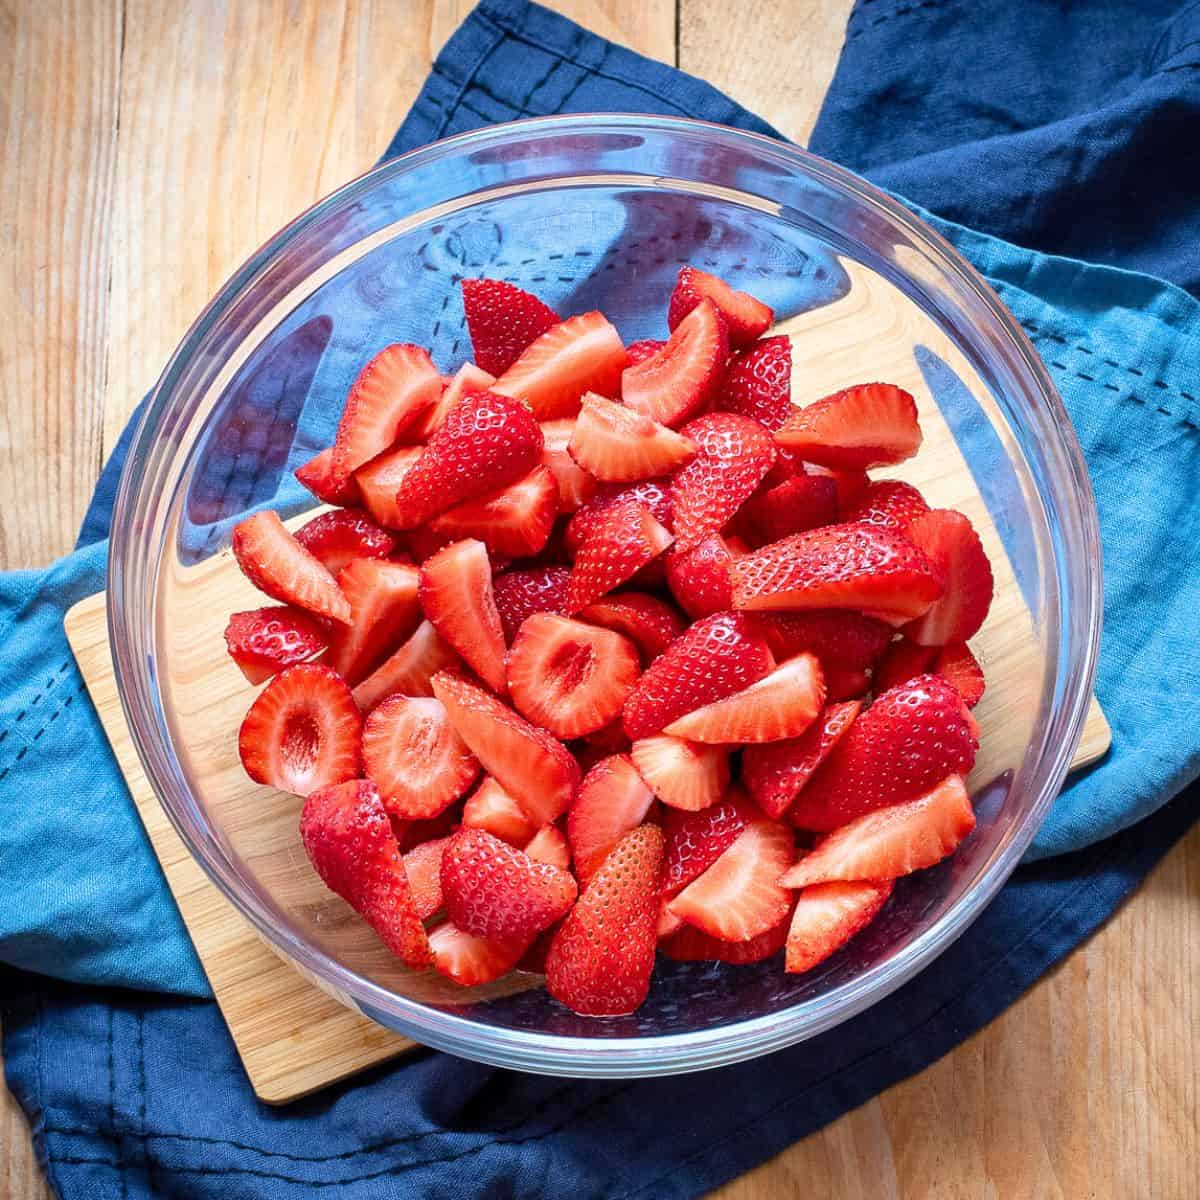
point(423, 866)
point(903, 661)
point(619, 445)
point(535, 768)
point(695, 840)
point(839, 566)
point(910, 739)
point(575, 486)
point(653, 493)
point(579, 355)
point(700, 579)
point(409, 670)
point(747, 318)
point(456, 594)
point(650, 623)
point(515, 521)
point(492, 809)
point(317, 475)
point(838, 638)
point(520, 594)
point(338, 537)
point(690, 944)
point(415, 757)
point(683, 377)
point(302, 731)
point(266, 640)
point(391, 391)
point(684, 775)
point(893, 841)
point(497, 892)
point(279, 566)
point(469, 960)
point(549, 845)
point(957, 664)
point(951, 542)
point(383, 612)
point(739, 896)
point(617, 544)
point(485, 443)
point(780, 705)
point(349, 841)
point(758, 383)
point(733, 454)
point(502, 320)
point(869, 425)
point(568, 677)
point(380, 479)
point(601, 957)
point(637, 352)
point(774, 774)
point(613, 799)
point(891, 503)
point(800, 503)
point(826, 917)
point(468, 378)
point(716, 657)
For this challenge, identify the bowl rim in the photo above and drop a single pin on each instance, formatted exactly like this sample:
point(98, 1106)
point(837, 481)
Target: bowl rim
point(620, 1057)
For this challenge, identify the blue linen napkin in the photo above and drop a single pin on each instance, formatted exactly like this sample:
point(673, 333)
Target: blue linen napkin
point(110, 1078)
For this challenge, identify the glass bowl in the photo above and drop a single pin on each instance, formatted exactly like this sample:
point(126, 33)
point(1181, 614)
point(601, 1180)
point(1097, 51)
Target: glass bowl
point(594, 212)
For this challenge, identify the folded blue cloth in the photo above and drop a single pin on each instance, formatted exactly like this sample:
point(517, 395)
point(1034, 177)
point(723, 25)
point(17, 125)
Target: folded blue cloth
point(110, 1079)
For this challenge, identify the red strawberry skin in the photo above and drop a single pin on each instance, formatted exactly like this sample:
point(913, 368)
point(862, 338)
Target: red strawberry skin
point(266, 640)
point(650, 623)
point(348, 839)
point(827, 916)
point(838, 638)
point(746, 317)
point(695, 840)
point(758, 383)
point(520, 594)
point(800, 503)
point(868, 425)
point(909, 740)
point(951, 542)
point(637, 352)
point(502, 320)
point(620, 543)
point(337, 537)
point(699, 578)
point(716, 657)
point(889, 503)
point(318, 476)
point(486, 443)
point(653, 493)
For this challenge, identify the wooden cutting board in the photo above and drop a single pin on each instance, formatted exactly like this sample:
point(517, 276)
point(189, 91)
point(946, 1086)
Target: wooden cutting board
point(292, 1036)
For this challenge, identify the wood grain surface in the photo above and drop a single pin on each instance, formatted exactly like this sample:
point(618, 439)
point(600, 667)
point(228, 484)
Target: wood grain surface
point(143, 162)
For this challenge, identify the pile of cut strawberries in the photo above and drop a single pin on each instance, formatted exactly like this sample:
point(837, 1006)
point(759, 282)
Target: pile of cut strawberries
point(605, 651)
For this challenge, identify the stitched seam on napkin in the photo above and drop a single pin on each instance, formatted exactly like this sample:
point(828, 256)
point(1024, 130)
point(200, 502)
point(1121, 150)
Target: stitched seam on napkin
point(46, 689)
point(896, 12)
point(58, 712)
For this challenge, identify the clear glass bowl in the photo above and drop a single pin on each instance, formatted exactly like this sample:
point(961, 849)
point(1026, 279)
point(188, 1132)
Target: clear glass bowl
point(590, 212)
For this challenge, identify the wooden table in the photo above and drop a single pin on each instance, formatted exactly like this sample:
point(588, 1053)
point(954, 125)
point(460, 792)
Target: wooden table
point(149, 145)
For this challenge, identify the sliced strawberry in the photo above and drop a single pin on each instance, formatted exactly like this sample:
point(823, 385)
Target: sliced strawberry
point(716, 657)
point(700, 579)
point(317, 475)
point(869, 425)
point(957, 664)
point(600, 960)
point(613, 799)
point(515, 521)
point(910, 739)
point(826, 917)
point(668, 922)
point(380, 479)
point(520, 594)
point(415, 757)
point(619, 445)
point(890, 503)
point(695, 840)
point(844, 683)
point(265, 640)
point(617, 544)
point(684, 775)
point(800, 503)
point(349, 841)
point(409, 670)
point(690, 944)
point(471, 961)
point(893, 841)
point(758, 383)
point(903, 661)
point(733, 455)
point(739, 896)
point(492, 809)
point(279, 566)
point(495, 891)
point(569, 677)
point(840, 639)
point(581, 354)
point(839, 566)
point(653, 493)
point(951, 542)
point(456, 594)
point(683, 377)
point(575, 486)
point(502, 320)
point(650, 623)
point(485, 443)
point(851, 485)
point(414, 833)
point(549, 845)
point(774, 774)
point(302, 731)
point(468, 378)
point(384, 612)
point(535, 768)
point(338, 537)
point(391, 391)
point(780, 705)
point(637, 352)
point(423, 866)
point(747, 318)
